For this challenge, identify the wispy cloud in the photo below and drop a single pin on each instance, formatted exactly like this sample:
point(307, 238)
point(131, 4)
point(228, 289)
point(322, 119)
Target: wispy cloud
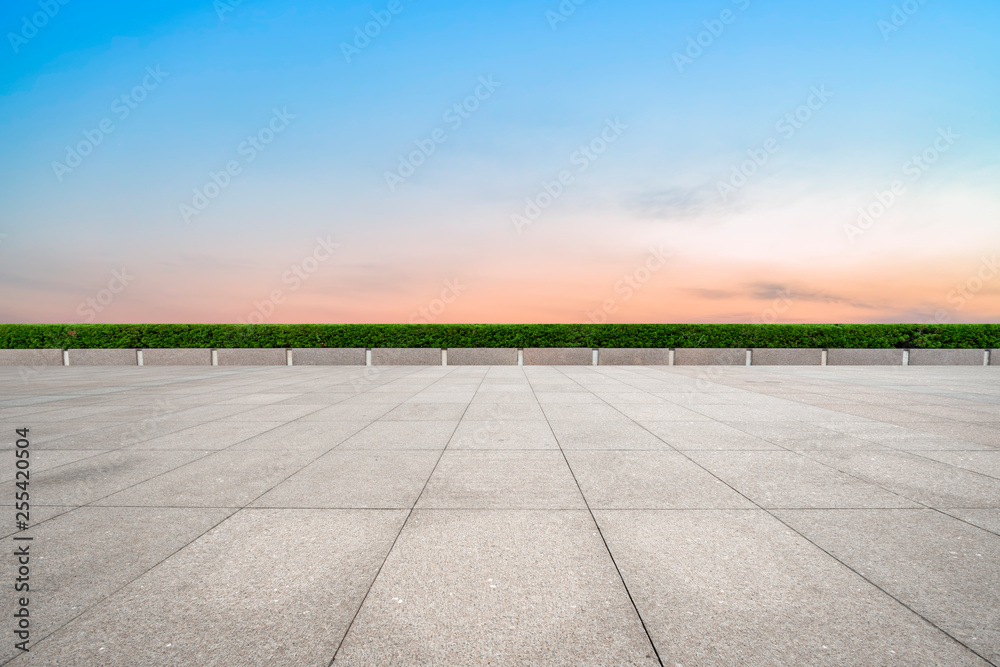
point(767, 291)
point(676, 204)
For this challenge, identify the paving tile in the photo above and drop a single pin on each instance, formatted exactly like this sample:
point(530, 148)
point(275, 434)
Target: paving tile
point(788, 479)
point(258, 400)
point(942, 568)
point(505, 398)
point(213, 435)
point(236, 596)
point(551, 601)
point(204, 413)
point(222, 479)
point(317, 437)
point(393, 398)
point(274, 413)
point(85, 555)
point(567, 397)
point(322, 399)
point(828, 442)
point(706, 435)
point(501, 480)
point(785, 431)
point(929, 443)
point(356, 479)
point(604, 434)
point(659, 412)
point(402, 435)
point(426, 412)
point(985, 463)
point(110, 437)
point(738, 587)
point(340, 412)
point(986, 433)
point(503, 434)
point(461, 396)
point(574, 411)
point(44, 459)
point(935, 484)
point(622, 398)
point(93, 478)
point(985, 519)
point(515, 412)
point(745, 413)
point(54, 413)
point(649, 480)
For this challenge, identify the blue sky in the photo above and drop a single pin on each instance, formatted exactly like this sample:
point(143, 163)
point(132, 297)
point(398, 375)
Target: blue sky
point(558, 84)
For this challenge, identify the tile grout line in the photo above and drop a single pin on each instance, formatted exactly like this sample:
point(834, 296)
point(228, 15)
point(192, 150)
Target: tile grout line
point(653, 372)
point(600, 531)
point(187, 544)
point(111, 594)
point(402, 526)
point(807, 539)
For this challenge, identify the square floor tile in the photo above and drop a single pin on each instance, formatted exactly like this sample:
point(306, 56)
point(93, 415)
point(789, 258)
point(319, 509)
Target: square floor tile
point(501, 480)
point(768, 595)
point(542, 586)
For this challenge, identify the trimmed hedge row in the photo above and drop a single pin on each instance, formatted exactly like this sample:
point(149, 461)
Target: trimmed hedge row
point(36, 336)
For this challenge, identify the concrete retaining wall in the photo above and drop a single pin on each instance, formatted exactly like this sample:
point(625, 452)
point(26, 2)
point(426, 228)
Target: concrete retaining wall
point(558, 356)
point(328, 356)
point(177, 357)
point(860, 357)
point(710, 356)
point(31, 357)
point(785, 356)
point(406, 356)
point(239, 356)
point(482, 356)
point(946, 357)
point(103, 358)
point(639, 356)
point(532, 356)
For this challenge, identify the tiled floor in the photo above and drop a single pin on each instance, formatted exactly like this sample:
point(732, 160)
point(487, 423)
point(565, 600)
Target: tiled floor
point(506, 515)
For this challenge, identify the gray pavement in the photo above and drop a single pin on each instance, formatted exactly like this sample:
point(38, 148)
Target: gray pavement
point(506, 515)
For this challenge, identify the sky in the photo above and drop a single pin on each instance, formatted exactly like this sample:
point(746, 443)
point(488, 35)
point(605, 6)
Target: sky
point(431, 161)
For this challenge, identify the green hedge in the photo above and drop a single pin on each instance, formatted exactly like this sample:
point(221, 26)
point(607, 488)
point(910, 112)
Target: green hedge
point(32, 336)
